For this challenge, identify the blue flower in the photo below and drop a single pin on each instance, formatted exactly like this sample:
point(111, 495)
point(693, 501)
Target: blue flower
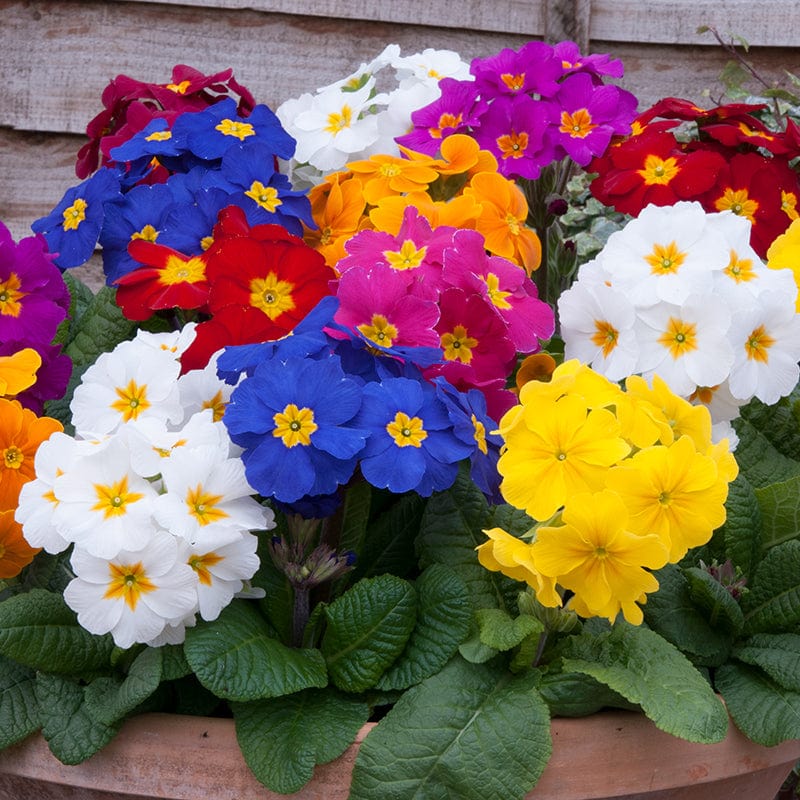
point(72, 228)
point(294, 420)
point(209, 133)
point(155, 139)
point(411, 445)
point(189, 227)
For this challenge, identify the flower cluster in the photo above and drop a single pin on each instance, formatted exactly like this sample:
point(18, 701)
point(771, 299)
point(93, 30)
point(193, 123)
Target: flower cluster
point(363, 113)
point(529, 108)
point(621, 481)
point(725, 158)
point(680, 293)
point(149, 493)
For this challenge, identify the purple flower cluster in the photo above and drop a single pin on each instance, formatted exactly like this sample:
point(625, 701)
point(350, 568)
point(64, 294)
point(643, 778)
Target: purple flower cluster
point(34, 301)
point(530, 107)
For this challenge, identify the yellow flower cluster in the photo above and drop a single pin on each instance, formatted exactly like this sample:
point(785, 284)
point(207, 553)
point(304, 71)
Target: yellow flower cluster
point(621, 482)
point(462, 188)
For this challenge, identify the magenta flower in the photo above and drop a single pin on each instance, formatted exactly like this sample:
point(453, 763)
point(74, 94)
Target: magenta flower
point(534, 68)
point(590, 116)
point(375, 305)
point(572, 60)
point(52, 376)
point(515, 133)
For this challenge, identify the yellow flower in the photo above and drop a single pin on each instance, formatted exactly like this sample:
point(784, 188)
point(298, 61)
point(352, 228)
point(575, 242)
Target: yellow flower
point(595, 556)
point(784, 253)
point(18, 371)
point(562, 448)
point(675, 492)
point(511, 556)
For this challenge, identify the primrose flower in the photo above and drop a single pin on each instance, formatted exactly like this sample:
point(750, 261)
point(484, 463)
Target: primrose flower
point(15, 551)
point(135, 594)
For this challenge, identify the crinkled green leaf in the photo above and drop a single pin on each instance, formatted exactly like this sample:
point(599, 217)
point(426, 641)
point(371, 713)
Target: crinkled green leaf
point(236, 657)
point(112, 699)
point(451, 530)
point(367, 629)
point(715, 601)
point(470, 732)
point(759, 461)
point(764, 711)
point(283, 739)
point(443, 620)
point(573, 694)
point(672, 613)
point(40, 630)
point(647, 670)
point(19, 711)
point(741, 532)
point(69, 727)
point(473, 649)
point(773, 602)
point(173, 662)
point(777, 654)
point(777, 422)
point(500, 631)
point(101, 327)
point(779, 504)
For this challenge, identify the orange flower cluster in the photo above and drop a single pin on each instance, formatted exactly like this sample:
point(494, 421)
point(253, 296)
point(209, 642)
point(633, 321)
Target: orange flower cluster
point(21, 433)
point(461, 188)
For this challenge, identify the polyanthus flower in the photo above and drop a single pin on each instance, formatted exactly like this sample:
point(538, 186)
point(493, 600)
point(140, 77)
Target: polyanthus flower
point(18, 371)
point(383, 175)
point(21, 433)
point(295, 421)
point(596, 556)
point(533, 69)
point(784, 253)
point(411, 446)
point(15, 552)
point(134, 595)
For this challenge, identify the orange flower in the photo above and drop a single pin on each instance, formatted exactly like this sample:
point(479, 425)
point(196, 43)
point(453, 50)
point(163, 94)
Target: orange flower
point(460, 212)
point(337, 206)
point(384, 175)
point(15, 552)
point(503, 219)
point(21, 433)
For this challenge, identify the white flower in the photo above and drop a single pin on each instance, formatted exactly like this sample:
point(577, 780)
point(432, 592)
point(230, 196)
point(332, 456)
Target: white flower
point(174, 342)
point(221, 571)
point(666, 253)
point(135, 595)
point(208, 498)
point(724, 430)
point(134, 381)
point(386, 57)
point(766, 346)
point(597, 324)
point(719, 401)
point(429, 67)
point(103, 505)
point(686, 344)
point(201, 389)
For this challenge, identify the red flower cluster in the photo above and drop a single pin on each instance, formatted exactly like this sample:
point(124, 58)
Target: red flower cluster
point(131, 104)
point(725, 158)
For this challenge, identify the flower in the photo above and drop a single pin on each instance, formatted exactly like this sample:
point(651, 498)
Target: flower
point(383, 410)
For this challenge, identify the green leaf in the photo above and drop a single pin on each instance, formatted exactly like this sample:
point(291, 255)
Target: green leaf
point(283, 739)
point(101, 327)
point(173, 663)
point(473, 649)
point(741, 532)
point(71, 731)
point(500, 631)
point(40, 630)
point(773, 602)
point(19, 711)
point(443, 622)
point(777, 654)
point(573, 694)
point(236, 658)
point(764, 711)
point(470, 732)
point(718, 604)
point(777, 422)
point(112, 699)
point(451, 530)
point(368, 627)
point(647, 670)
point(672, 613)
point(779, 504)
point(759, 461)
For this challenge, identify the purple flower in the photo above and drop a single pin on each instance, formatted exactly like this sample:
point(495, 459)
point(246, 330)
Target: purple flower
point(533, 69)
point(598, 64)
point(52, 376)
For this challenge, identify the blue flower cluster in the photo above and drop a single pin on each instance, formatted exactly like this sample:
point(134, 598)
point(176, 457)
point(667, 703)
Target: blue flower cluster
point(313, 408)
point(168, 185)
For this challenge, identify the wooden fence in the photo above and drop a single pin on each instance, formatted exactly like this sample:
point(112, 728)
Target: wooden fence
point(56, 57)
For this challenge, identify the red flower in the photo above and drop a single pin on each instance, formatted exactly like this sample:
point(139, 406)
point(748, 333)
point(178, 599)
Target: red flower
point(169, 280)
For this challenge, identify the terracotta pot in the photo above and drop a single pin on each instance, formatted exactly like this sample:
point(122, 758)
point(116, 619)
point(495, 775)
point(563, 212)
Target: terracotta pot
point(617, 755)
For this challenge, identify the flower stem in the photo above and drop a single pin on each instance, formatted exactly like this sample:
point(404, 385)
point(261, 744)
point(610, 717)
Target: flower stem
point(300, 614)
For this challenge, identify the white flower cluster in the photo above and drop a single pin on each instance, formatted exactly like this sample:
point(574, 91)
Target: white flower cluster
point(357, 117)
point(150, 493)
point(681, 294)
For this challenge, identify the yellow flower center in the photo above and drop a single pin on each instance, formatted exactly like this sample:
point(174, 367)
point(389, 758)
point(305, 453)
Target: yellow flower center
point(294, 425)
point(496, 294)
point(513, 145)
point(605, 336)
point(738, 201)
point(665, 259)
point(513, 82)
point(658, 171)
point(232, 127)
point(479, 434)
point(740, 269)
point(179, 88)
point(679, 338)
point(113, 499)
point(204, 507)
point(409, 256)
point(132, 400)
point(339, 121)
point(272, 296)
point(178, 270)
point(406, 431)
point(10, 295)
point(758, 344)
point(128, 582)
point(265, 196)
point(201, 563)
point(159, 136)
point(457, 345)
point(380, 331)
point(445, 121)
point(74, 215)
point(13, 457)
point(577, 125)
point(217, 405)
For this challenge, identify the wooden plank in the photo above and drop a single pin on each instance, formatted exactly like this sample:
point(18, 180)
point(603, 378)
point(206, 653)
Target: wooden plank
point(72, 50)
point(767, 23)
point(507, 16)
